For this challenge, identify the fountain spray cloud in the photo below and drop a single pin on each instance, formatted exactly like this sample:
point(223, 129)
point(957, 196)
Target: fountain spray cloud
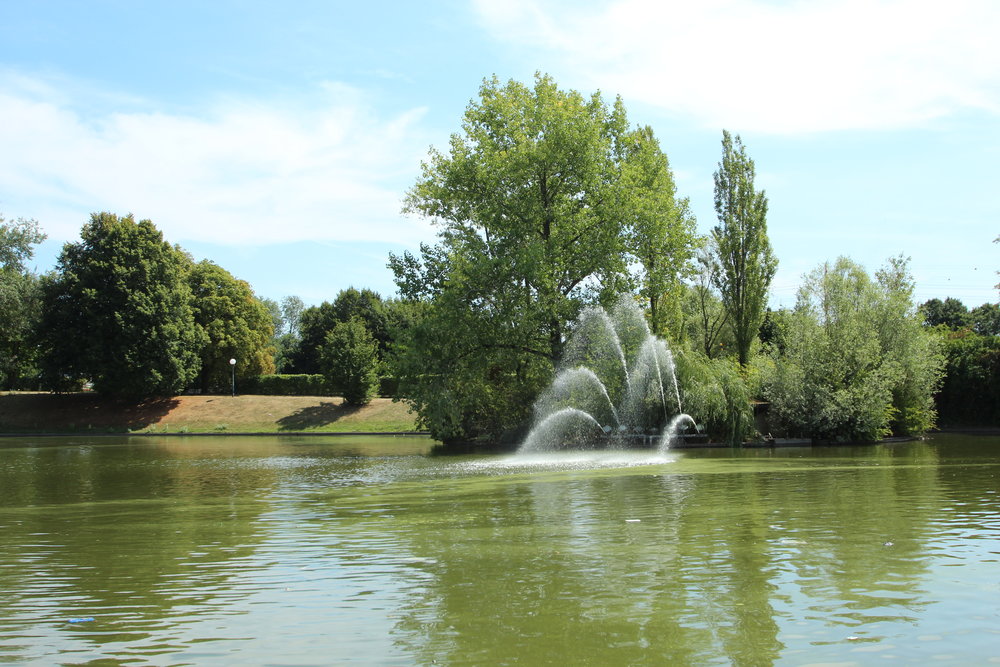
point(611, 388)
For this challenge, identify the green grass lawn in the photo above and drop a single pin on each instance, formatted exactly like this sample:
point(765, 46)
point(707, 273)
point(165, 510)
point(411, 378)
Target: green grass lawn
point(90, 413)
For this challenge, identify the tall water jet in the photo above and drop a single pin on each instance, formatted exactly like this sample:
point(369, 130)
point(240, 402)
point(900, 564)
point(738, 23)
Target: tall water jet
point(568, 428)
point(611, 388)
point(595, 345)
point(580, 388)
point(671, 434)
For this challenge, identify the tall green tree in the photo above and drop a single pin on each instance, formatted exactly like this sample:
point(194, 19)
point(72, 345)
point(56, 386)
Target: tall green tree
point(534, 201)
point(909, 348)
point(661, 229)
point(20, 298)
point(17, 238)
point(315, 323)
point(274, 311)
point(118, 311)
point(235, 323)
point(286, 316)
point(368, 307)
point(746, 261)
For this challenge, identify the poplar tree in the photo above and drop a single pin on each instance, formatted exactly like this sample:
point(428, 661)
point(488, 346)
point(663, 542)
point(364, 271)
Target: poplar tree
point(746, 261)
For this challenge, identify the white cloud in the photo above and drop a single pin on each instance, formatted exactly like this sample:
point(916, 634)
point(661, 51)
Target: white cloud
point(777, 67)
point(239, 172)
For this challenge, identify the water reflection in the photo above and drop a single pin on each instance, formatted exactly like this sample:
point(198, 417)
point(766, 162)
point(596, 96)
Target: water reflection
point(283, 552)
point(126, 534)
point(682, 567)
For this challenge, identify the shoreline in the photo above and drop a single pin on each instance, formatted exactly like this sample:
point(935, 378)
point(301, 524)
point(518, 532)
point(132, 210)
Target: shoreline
point(472, 447)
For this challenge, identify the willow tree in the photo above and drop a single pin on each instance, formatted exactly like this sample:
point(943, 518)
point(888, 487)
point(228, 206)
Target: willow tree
point(858, 364)
point(746, 262)
point(532, 222)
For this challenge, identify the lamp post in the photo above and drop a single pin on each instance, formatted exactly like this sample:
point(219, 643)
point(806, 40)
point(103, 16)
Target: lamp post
point(232, 364)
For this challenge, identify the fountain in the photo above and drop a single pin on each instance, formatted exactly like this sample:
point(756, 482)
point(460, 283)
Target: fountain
point(616, 387)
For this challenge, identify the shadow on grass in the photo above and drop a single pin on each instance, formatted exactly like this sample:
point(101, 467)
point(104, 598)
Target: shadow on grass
point(315, 416)
point(75, 413)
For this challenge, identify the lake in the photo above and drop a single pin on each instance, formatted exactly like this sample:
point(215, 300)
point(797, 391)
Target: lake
point(368, 550)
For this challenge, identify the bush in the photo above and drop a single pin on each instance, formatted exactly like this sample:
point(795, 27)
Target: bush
point(304, 385)
point(350, 359)
point(857, 364)
point(288, 385)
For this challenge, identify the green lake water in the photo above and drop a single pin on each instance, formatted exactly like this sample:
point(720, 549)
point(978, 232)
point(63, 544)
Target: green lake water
point(333, 550)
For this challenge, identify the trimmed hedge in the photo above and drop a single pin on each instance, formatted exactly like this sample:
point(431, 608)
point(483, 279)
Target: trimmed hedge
point(288, 385)
point(303, 385)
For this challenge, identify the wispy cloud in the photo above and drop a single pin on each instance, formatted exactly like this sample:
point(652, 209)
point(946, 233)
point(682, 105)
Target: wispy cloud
point(236, 171)
point(776, 67)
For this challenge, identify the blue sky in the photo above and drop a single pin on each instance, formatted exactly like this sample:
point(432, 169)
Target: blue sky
point(279, 139)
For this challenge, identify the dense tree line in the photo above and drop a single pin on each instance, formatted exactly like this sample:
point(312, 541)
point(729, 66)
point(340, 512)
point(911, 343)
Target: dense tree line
point(970, 392)
point(137, 317)
point(349, 340)
point(547, 201)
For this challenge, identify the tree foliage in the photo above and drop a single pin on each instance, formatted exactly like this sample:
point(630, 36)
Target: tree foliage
point(287, 316)
point(316, 322)
point(274, 312)
point(20, 298)
point(118, 312)
point(235, 325)
point(540, 203)
point(17, 238)
point(707, 322)
point(951, 312)
point(349, 359)
point(970, 392)
point(985, 319)
point(746, 262)
point(857, 365)
point(291, 314)
point(660, 228)
point(718, 394)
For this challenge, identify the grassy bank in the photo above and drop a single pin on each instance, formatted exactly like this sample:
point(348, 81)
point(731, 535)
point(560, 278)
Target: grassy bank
point(89, 413)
